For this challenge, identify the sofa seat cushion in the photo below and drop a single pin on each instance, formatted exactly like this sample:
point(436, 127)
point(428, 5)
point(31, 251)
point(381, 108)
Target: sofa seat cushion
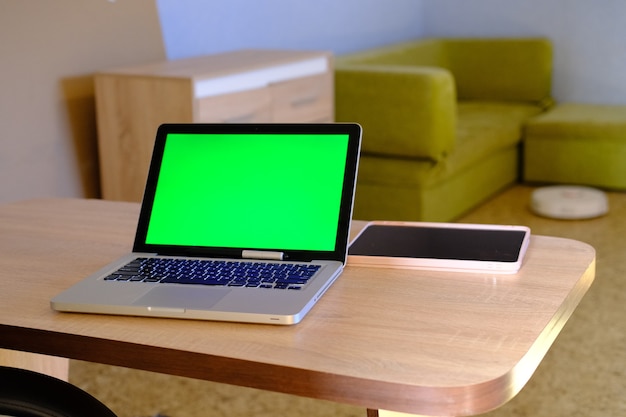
point(569, 121)
point(577, 143)
point(486, 127)
point(483, 128)
point(442, 202)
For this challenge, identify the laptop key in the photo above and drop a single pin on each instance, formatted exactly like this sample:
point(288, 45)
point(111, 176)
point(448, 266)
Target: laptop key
point(216, 273)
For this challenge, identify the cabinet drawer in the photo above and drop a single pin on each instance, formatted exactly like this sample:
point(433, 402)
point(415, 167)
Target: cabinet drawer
point(251, 106)
point(308, 99)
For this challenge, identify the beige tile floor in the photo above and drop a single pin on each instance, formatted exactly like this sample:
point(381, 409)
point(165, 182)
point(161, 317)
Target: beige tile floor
point(584, 374)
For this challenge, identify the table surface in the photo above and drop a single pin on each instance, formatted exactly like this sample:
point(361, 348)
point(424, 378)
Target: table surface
point(424, 342)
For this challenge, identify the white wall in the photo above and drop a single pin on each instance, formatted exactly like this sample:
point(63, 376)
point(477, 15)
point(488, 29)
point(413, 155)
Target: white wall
point(197, 27)
point(589, 38)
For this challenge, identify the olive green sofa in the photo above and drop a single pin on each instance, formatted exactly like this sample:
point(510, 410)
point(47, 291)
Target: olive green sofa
point(442, 121)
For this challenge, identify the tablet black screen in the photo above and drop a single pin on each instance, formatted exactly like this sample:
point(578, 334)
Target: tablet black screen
point(439, 243)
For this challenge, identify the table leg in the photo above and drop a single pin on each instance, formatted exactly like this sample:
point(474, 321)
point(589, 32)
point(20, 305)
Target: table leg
point(49, 365)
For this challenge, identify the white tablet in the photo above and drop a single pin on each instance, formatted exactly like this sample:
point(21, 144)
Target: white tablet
point(459, 247)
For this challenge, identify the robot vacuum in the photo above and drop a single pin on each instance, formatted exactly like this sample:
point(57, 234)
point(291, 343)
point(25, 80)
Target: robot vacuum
point(569, 202)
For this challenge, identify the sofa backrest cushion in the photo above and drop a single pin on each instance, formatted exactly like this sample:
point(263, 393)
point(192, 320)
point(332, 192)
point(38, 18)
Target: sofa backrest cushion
point(516, 69)
point(508, 69)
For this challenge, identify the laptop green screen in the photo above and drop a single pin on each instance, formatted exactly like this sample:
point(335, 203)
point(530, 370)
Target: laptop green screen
point(257, 191)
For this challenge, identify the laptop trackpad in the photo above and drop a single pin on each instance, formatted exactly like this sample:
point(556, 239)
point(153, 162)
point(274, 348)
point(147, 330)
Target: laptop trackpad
point(187, 297)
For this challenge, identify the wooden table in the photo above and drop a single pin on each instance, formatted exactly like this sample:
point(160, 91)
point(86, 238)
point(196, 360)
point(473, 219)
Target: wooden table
point(431, 343)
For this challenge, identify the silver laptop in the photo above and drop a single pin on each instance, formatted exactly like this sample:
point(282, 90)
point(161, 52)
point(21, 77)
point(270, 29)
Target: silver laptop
point(239, 222)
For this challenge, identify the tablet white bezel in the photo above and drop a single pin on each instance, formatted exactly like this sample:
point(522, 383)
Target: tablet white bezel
point(496, 267)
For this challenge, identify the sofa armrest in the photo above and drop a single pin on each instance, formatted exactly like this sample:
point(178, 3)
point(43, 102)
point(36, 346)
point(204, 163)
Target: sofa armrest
point(405, 111)
point(509, 69)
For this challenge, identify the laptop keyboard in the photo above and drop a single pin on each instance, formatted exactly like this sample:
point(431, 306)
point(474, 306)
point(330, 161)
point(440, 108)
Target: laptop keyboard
point(216, 272)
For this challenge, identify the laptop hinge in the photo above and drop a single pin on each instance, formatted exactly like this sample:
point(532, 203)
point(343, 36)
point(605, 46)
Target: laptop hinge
point(260, 254)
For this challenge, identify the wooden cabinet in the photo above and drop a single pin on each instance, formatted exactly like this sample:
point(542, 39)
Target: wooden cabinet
point(237, 87)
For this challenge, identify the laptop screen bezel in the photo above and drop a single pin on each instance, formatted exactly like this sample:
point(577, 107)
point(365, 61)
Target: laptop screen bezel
point(347, 194)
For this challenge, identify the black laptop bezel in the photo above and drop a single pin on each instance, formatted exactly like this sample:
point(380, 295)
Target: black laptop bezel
point(353, 131)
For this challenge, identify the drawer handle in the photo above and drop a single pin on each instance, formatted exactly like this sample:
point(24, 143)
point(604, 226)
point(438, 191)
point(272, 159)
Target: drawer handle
point(304, 101)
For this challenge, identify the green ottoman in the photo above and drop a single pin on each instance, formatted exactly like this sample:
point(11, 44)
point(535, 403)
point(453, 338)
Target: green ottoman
point(582, 144)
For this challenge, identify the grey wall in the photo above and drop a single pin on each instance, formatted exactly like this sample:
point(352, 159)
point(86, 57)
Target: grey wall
point(197, 27)
point(589, 38)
